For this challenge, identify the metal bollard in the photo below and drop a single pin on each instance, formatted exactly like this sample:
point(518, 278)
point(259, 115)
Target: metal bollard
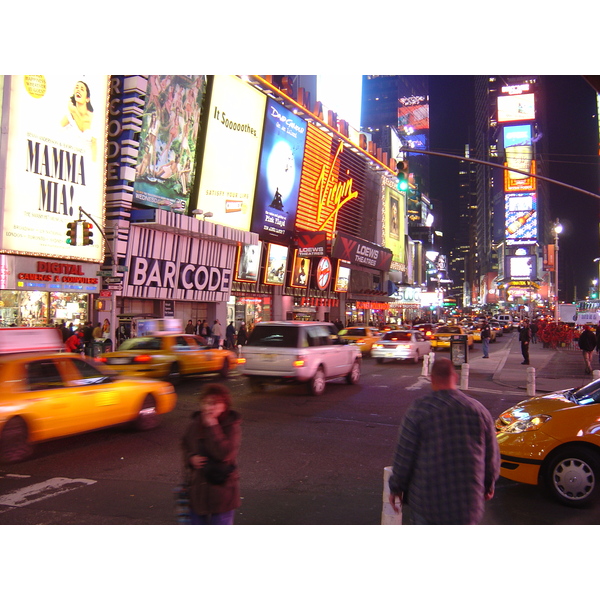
point(388, 516)
point(425, 370)
point(464, 376)
point(531, 381)
point(596, 375)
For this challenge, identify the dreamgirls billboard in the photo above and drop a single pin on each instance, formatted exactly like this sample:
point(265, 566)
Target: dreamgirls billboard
point(54, 132)
point(234, 125)
point(280, 166)
point(167, 157)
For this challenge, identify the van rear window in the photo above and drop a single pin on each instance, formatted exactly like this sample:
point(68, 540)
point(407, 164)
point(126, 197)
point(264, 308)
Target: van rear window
point(274, 336)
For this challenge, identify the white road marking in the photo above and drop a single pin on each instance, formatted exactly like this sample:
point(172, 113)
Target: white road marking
point(43, 490)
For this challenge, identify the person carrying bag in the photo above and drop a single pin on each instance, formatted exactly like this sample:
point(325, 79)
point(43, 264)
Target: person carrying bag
point(210, 448)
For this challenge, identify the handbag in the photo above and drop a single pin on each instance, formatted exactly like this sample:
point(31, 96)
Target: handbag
point(217, 472)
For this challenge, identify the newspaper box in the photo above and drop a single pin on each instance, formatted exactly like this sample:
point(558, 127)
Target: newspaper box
point(459, 350)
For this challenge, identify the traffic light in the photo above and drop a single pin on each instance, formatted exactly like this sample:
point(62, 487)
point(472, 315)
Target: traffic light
point(402, 174)
point(87, 234)
point(72, 233)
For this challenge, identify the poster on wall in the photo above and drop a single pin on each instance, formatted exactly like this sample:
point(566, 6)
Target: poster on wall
point(248, 263)
point(279, 172)
point(394, 223)
point(55, 162)
point(234, 127)
point(300, 271)
point(342, 279)
point(166, 163)
point(276, 264)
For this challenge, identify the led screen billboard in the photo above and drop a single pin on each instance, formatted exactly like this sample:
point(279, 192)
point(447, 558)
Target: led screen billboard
point(279, 170)
point(520, 107)
point(231, 151)
point(166, 163)
point(520, 218)
point(55, 162)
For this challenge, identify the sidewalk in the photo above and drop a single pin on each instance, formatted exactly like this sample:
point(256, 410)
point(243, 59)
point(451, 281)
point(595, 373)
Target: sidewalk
point(555, 369)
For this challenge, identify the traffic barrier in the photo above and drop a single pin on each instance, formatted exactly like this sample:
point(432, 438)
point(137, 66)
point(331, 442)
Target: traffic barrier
point(464, 376)
point(425, 370)
point(531, 381)
point(388, 516)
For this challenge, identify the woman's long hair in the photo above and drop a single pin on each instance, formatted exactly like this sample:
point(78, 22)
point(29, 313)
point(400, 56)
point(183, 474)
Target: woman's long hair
point(88, 104)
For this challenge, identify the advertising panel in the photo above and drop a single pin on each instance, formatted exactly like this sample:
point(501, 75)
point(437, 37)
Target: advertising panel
point(520, 218)
point(55, 164)
point(342, 278)
point(276, 264)
point(166, 163)
point(248, 263)
point(522, 267)
point(519, 154)
point(394, 223)
point(361, 253)
point(279, 172)
point(520, 107)
point(325, 188)
point(231, 152)
point(300, 271)
point(311, 243)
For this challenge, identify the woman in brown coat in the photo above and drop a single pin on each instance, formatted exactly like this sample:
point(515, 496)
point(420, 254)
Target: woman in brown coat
point(210, 447)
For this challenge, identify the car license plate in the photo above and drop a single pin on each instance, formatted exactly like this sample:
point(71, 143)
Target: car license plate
point(443, 339)
point(269, 357)
point(118, 361)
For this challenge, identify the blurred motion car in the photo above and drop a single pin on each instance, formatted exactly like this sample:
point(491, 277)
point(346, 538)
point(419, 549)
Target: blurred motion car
point(426, 329)
point(363, 337)
point(47, 394)
point(442, 336)
point(169, 356)
point(497, 327)
point(553, 440)
point(401, 345)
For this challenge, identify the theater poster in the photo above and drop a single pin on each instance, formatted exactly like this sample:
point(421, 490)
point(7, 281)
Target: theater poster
point(54, 131)
point(280, 166)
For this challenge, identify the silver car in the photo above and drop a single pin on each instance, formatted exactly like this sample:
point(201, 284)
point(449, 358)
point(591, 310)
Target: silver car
point(401, 345)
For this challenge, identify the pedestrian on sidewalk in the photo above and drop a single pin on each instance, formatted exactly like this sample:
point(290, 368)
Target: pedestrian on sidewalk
point(534, 329)
point(486, 333)
point(524, 338)
point(587, 343)
point(447, 459)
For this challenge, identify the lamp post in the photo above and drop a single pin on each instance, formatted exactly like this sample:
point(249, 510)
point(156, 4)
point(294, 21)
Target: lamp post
point(557, 229)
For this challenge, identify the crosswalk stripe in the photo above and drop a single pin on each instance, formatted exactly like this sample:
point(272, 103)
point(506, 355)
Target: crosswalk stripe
point(42, 491)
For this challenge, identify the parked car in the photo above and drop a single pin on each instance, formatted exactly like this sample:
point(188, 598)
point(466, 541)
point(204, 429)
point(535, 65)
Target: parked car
point(364, 337)
point(401, 345)
point(553, 440)
point(309, 352)
point(442, 336)
point(168, 356)
point(50, 395)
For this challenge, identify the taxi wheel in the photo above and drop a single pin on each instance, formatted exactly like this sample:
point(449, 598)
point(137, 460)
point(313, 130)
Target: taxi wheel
point(316, 386)
point(147, 418)
point(14, 441)
point(174, 376)
point(354, 374)
point(573, 476)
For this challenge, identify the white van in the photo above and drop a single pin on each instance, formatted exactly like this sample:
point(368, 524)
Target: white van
point(506, 321)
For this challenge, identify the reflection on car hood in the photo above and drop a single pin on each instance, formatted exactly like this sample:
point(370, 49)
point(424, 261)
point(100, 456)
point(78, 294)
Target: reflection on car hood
point(547, 404)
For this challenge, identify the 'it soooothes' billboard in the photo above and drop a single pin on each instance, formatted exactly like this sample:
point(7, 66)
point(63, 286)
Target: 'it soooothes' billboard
point(231, 151)
point(55, 162)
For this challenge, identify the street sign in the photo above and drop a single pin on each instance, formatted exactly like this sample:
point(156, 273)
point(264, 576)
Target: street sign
point(122, 269)
point(116, 287)
point(113, 279)
point(105, 293)
point(103, 273)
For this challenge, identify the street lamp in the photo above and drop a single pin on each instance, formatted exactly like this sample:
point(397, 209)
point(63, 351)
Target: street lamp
point(557, 229)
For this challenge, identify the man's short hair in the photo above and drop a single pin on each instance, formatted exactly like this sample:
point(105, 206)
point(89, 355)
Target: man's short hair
point(442, 369)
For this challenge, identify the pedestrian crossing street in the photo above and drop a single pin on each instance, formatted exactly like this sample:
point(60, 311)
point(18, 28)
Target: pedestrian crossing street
point(18, 495)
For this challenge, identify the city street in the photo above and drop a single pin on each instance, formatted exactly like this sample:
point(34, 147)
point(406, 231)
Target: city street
point(304, 460)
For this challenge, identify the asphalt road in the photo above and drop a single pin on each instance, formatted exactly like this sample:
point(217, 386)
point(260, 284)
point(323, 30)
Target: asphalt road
point(304, 460)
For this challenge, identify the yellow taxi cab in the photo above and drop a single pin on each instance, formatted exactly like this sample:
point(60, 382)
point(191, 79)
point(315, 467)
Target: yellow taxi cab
point(48, 394)
point(442, 336)
point(363, 336)
point(476, 333)
point(554, 440)
point(168, 356)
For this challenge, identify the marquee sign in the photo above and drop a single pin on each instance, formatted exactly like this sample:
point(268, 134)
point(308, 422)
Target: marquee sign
point(362, 253)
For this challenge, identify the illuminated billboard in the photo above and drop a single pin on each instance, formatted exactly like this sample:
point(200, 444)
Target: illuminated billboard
point(520, 218)
point(520, 107)
point(300, 271)
point(55, 162)
point(166, 163)
point(279, 172)
point(522, 267)
point(231, 152)
point(248, 263)
point(394, 223)
point(276, 264)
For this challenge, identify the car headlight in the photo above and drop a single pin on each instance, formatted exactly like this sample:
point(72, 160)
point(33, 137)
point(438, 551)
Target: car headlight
point(527, 424)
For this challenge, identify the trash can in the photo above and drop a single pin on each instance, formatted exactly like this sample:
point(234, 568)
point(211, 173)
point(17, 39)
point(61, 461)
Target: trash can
point(107, 345)
point(459, 350)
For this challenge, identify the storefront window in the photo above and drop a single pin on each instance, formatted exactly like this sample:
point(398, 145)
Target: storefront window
point(71, 308)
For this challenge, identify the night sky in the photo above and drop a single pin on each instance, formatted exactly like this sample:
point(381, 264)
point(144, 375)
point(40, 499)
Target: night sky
point(572, 138)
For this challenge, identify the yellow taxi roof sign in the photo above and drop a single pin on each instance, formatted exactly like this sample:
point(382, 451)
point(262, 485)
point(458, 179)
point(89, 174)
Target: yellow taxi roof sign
point(30, 339)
